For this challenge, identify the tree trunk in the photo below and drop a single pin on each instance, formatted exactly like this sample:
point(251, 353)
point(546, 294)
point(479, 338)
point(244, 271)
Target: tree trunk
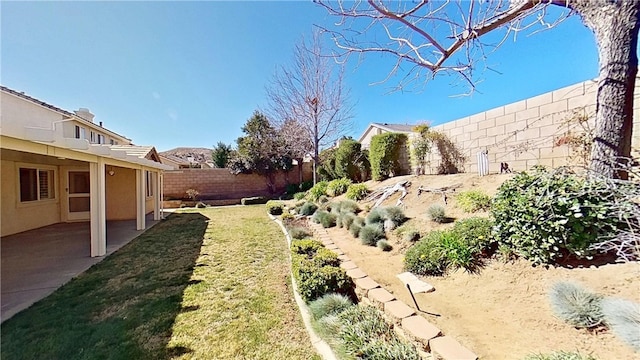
point(615, 25)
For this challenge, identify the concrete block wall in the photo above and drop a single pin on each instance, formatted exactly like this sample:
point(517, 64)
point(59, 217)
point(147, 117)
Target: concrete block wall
point(523, 133)
point(217, 184)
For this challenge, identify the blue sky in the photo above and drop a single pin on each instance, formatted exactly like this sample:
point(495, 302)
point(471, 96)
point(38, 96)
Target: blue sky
point(174, 74)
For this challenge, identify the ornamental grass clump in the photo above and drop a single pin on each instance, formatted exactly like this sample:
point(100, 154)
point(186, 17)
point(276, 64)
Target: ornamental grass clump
point(394, 214)
point(436, 214)
point(325, 218)
point(299, 232)
point(375, 216)
point(308, 208)
point(473, 200)
point(338, 187)
point(354, 229)
point(329, 305)
point(371, 233)
point(575, 305)
point(623, 318)
point(347, 220)
point(384, 245)
point(357, 192)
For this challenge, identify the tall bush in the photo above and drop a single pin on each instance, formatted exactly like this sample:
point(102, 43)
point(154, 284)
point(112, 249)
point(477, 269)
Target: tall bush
point(351, 161)
point(384, 155)
point(546, 216)
point(357, 192)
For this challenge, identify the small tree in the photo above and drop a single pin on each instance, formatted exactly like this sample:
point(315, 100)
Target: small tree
point(351, 162)
point(260, 151)
point(221, 154)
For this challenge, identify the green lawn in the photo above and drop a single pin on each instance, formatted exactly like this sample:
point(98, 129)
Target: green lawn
point(212, 284)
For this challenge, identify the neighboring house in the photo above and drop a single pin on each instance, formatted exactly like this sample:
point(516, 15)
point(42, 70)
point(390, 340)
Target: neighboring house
point(377, 128)
point(186, 157)
point(59, 166)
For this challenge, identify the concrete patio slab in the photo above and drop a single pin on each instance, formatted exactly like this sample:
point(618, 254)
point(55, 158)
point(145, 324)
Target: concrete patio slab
point(37, 262)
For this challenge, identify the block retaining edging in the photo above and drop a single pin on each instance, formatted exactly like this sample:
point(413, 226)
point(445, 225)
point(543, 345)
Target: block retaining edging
point(414, 327)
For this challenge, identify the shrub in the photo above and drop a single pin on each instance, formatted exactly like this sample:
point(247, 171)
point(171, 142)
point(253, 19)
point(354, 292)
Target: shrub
point(326, 257)
point(357, 192)
point(314, 282)
point(308, 208)
point(436, 213)
point(384, 155)
point(299, 195)
point(299, 232)
point(319, 189)
point(328, 305)
point(306, 185)
point(347, 220)
point(274, 207)
point(376, 216)
point(291, 189)
point(354, 229)
point(325, 218)
point(425, 258)
point(384, 245)
point(560, 355)
point(254, 200)
point(338, 187)
point(395, 214)
point(308, 247)
point(546, 216)
point(411, 236)
point(370, 234)
point(438, 251)
point(476, 232)
point(351, 161)
point(349, 206)
point(623, 318)
point(575, 305)
point(473, 200)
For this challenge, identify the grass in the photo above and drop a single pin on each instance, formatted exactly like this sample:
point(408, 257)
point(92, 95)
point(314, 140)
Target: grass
point(213, 283)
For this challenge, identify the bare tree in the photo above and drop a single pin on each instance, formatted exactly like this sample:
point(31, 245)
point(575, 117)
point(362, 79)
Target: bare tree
point(447, 36)
point(310, 92)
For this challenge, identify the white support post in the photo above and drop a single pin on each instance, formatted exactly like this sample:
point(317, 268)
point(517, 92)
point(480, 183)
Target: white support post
point(97, 187)
point(156, 196)
point(140, 199)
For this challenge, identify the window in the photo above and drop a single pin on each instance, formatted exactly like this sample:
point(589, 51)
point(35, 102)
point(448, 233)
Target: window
point(149, 183)
point(80, 133)
point(36, 184)
point(112, 142)
point(100, 139)
point(93, 137)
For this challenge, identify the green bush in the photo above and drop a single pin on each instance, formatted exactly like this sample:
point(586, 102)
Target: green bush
point(473, 200)
point(476, 232)
point(299, 232)
point(438, 251)
point(306, 185)
point(357, 192)
point(575, 305)
point(314, 282)
point(254, 200)
point(351, 161)
point(318, 190)
point(370, 234)
point(308, 208)
point(425, 257)
point(299, 195)
point(436, 214)
point(329, 305)
point(326, 257)
point(325, 218)
point(623, 318)
point(384, 155)
point(338, 187)
point(560, 355)
point(291, 189)
point(546, 216)
point(384, 245)
point(307, 247)
point(274, 207)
